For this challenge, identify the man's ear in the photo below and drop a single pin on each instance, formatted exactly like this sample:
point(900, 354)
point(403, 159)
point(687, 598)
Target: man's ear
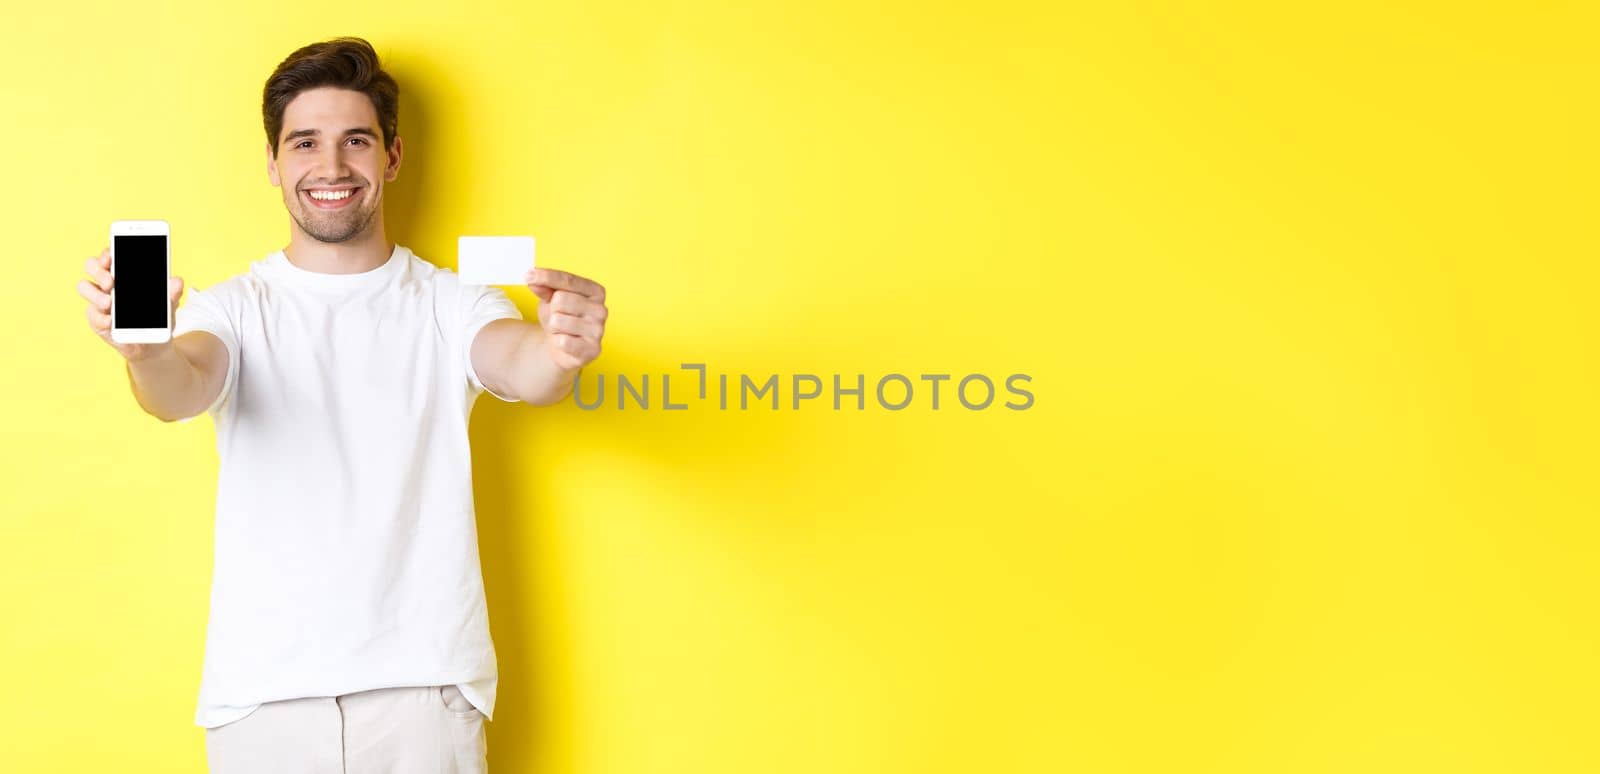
point(393, 170)
point(272, 168)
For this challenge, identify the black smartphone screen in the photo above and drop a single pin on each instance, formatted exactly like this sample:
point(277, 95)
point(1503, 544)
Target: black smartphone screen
point(141, 282)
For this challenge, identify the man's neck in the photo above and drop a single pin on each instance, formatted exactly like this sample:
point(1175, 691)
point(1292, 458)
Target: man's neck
point(362, 253)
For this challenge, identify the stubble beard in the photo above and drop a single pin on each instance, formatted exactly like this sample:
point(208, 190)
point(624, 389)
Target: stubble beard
point(332, 226)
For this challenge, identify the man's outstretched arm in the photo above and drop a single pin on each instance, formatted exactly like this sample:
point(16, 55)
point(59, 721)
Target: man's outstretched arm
point(536, 364)
point(173, 380)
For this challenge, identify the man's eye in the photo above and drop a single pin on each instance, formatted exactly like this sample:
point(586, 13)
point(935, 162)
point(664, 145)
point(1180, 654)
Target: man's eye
point(302, 143)
point(358, 139)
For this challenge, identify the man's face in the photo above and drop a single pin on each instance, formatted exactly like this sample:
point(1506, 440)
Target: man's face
point(331, 163)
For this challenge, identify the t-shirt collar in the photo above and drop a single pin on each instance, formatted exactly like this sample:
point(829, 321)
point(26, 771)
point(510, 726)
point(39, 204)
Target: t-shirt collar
point(366, 279)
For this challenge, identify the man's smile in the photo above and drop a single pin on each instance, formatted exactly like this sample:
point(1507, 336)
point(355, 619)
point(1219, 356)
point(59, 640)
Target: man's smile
point(331, 198)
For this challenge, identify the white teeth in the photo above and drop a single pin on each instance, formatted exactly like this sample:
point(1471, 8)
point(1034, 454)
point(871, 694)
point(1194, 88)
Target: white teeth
point(331, 196)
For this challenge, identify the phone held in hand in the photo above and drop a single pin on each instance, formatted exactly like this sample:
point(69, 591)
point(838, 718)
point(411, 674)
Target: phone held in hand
point(140, 265)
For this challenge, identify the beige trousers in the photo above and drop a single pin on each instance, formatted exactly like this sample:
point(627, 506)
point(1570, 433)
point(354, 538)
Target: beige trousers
point(411, 730)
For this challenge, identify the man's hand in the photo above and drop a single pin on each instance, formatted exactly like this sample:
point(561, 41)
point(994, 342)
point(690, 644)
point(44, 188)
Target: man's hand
point(572, 311)
point(97, 291)
point(172, 380)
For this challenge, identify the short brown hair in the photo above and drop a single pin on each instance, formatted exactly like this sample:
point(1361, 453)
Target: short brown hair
point(346, 63)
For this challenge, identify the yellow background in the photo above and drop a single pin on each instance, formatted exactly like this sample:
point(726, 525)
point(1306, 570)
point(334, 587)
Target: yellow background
point(1307, 295)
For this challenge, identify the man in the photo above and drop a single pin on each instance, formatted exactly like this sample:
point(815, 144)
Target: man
point(348, 629)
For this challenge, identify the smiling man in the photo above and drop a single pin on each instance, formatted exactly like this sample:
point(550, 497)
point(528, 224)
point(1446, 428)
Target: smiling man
point(348, 629)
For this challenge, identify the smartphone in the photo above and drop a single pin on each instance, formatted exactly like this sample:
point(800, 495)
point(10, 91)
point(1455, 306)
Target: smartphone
point(140, 265)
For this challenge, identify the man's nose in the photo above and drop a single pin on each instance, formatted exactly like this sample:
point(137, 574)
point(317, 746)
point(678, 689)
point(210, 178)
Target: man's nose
point(331, 163)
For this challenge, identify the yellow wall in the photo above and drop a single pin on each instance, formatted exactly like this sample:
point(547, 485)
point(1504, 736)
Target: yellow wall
point(1307, 297)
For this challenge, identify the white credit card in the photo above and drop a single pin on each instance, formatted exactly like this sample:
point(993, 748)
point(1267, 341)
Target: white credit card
point(494, 260)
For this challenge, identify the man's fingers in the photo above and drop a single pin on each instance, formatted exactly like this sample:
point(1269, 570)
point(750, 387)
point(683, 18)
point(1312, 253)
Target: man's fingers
point(560, 280)
point(101, 277)
point(571, 303)
point(174, 288)
point(576, 326)
point(575, 349)
point(99, 321)
point(100, 300)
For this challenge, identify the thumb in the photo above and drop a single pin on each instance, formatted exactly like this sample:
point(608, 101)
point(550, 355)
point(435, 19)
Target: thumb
point(174, 289)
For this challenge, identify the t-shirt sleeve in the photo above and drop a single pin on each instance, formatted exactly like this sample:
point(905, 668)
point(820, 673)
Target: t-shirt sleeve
point(481, 305)
point(205, 310)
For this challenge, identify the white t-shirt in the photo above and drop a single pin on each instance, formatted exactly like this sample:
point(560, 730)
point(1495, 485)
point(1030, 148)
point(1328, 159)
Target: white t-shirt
point(346, 554)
